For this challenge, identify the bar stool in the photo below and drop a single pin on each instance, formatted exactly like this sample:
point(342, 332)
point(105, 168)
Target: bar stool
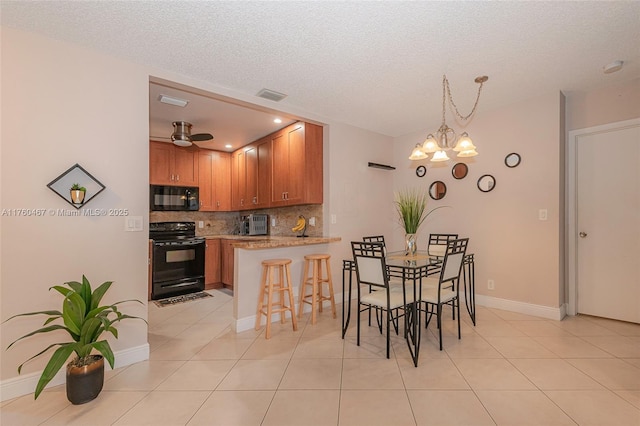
point(313, 263)
point(269, 286)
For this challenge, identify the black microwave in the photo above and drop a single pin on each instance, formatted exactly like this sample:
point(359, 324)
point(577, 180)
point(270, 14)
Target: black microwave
point(173, 198)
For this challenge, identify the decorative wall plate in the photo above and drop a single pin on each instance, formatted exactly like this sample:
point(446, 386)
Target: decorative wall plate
point(421, 171)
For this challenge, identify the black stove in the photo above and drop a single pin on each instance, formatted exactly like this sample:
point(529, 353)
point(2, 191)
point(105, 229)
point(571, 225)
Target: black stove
point(178, 259)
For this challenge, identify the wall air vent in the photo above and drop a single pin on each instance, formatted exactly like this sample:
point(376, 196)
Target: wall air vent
point(271, 95)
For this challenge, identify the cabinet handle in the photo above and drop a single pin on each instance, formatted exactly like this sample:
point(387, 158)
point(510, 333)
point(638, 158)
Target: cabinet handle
point(255, 200)
point(217, 203)
point(242, 202)
point(177, 178)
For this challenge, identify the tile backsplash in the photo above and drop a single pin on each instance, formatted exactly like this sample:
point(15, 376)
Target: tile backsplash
point(227, 223)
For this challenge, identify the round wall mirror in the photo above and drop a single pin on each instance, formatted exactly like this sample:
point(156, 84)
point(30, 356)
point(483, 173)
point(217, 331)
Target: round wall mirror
point(437, 190)
point(459, 170)
point(512, 160)
point(486, 183)
point(421, 171)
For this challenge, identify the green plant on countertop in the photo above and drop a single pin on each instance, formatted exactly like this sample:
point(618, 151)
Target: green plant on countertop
point(77, 187)
point(411, 205)
point(84, 320)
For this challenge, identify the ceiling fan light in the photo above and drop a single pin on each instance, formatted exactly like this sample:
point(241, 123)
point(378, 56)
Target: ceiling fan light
point(418, 153)
point(440, 156)
point(181, 141)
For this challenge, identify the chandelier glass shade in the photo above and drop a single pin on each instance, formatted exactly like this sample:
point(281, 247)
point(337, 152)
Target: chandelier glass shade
point(445, 138)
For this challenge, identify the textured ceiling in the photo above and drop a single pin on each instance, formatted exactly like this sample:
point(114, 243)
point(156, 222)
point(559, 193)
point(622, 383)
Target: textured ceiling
point(375, 65)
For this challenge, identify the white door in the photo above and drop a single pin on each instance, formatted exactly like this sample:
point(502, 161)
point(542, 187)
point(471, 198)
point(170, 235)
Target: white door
point(608, 222)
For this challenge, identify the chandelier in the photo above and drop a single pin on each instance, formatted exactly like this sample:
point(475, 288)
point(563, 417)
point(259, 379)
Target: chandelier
point(445, 137)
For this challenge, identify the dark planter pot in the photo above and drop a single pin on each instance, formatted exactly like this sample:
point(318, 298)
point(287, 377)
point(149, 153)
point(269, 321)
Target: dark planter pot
point(85, 383)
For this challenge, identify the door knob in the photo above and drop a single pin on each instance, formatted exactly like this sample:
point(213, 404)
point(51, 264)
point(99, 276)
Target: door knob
point(582, 234)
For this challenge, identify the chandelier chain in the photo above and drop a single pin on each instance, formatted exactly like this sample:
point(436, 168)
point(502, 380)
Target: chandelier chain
point(445, 85)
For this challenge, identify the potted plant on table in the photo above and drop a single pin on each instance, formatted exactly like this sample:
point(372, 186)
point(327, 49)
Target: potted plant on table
point(77, 193)
point(84, 319)
point(411, 205)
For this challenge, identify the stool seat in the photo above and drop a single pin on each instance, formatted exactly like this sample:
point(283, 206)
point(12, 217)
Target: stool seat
point(315, 277)
point(269, 287)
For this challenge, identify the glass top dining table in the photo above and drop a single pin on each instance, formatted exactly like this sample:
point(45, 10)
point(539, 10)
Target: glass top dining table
point(411, 269)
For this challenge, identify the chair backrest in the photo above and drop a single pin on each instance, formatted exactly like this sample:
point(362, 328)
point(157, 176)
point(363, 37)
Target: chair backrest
point(370, 263)
point(438, 243)
point(453, 260)
point(376, 239)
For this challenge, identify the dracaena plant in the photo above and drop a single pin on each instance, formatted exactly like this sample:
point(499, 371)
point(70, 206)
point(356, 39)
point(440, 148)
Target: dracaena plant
point(411, 205)
point(85, 320)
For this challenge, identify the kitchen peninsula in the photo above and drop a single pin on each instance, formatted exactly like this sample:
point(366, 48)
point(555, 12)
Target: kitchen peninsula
point(249, 252)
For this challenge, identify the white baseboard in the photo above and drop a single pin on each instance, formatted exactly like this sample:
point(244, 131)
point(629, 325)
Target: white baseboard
point(26, 384)
point(522, 307)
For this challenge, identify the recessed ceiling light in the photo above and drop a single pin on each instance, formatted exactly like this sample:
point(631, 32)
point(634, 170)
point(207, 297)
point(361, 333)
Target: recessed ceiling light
point(172, 101)
point(612, 67)
point(228, 146)
point(277, 121)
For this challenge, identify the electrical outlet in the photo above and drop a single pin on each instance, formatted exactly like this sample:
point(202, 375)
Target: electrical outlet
point(273, 221)
point(200, 224)
point(312, 221)
point(334, 219)
point(491, 285)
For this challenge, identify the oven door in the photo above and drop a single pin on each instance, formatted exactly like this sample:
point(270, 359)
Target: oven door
point(178, 267)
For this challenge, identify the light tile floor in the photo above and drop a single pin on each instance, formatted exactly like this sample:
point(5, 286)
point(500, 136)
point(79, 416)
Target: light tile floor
point(510, 369)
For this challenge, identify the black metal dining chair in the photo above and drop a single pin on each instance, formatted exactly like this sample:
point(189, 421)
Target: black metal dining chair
point(371, 271)
point(437, 245)
point(447, 290)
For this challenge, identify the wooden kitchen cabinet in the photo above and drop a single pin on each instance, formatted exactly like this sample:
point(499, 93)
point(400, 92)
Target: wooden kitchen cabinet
point(250, 176)
point(227, 256)
point(212, 264)
point(296, 164)
point(238, 180)
point(172, 165)
point(214, 180)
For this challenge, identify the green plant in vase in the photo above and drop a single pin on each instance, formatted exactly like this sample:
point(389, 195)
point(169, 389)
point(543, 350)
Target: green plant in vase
point(84, 320)
point(411, 205)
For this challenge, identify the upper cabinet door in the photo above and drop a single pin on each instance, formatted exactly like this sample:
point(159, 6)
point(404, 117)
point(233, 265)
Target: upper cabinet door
point(297, 165)
point(205, 179)
point(160, 163)
point(172, 165)
point(221, 181)
point(185, 166)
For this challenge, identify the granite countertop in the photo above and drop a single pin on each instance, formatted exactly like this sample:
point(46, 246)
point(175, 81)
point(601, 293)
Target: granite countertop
point(252, 242)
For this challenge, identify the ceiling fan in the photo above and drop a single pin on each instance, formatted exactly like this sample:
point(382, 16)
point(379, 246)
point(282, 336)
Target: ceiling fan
point(182, 136)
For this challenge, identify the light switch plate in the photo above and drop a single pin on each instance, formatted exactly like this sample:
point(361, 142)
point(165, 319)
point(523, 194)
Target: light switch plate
point(133, 223)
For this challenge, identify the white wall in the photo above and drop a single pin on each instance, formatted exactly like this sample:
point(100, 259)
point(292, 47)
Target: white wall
point(63, 105)
point(512, 247)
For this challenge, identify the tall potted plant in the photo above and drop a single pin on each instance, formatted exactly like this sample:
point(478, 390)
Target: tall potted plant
point(84, 319)
point(411, 205)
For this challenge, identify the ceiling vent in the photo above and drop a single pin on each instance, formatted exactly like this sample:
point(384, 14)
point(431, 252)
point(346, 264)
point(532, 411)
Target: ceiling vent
point(271, 95)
